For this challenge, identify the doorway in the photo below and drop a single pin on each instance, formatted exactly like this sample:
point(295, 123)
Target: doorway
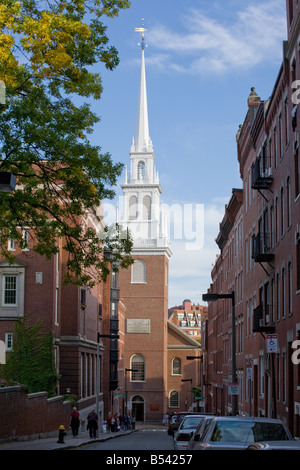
point(138, 407)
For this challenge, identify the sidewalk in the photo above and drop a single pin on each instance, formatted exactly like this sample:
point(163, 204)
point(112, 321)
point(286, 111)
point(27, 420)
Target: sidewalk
point(50, 443)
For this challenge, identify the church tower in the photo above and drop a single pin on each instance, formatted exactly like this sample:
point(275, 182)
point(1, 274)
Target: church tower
point(144, 286)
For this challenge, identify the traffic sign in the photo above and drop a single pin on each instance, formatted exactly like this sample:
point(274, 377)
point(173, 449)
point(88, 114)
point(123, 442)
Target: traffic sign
point(272, 341)
point(233, 389)
point(249, 372)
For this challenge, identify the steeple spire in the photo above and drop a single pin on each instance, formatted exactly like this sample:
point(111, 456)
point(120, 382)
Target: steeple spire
point(142, 139)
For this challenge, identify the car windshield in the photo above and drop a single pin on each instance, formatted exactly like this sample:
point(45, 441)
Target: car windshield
point(191, 423)
point(247, 431)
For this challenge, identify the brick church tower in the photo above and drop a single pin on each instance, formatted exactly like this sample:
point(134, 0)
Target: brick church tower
point(144, 287)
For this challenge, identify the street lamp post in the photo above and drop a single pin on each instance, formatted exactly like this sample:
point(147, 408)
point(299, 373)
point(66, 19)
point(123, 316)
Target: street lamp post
point(189, 380)
point(212, 298)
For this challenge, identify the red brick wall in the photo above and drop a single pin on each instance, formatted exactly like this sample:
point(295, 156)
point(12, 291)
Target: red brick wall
point(148, 301)
point(29, 415)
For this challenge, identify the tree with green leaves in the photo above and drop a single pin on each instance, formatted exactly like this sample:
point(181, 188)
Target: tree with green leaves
point(47, 52)
point(31, 363)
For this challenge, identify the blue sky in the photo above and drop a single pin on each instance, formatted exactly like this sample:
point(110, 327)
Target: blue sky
point(202, 58)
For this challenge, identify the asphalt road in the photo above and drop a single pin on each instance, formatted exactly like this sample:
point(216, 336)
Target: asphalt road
point(143, 439)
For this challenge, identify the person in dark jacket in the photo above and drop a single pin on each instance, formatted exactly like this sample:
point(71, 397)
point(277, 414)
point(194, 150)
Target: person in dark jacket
point(75, 421)
point(92, 423)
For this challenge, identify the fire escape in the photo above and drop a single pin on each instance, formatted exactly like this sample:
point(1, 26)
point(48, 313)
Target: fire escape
point(261, 174)
point(114, 331)
point(262, 244)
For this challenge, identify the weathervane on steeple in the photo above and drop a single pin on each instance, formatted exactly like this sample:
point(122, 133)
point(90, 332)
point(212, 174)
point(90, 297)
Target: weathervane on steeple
point(142, 30)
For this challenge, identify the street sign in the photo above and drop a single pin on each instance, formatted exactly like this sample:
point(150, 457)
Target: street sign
point(233, 389)
point(272, 341)
point(249, 372)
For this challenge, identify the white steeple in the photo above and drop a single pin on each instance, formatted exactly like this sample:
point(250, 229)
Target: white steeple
point(141, 189)
point(142, 141)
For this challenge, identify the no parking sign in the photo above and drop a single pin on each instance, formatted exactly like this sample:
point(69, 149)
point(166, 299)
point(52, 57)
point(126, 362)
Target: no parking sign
point(272, 341)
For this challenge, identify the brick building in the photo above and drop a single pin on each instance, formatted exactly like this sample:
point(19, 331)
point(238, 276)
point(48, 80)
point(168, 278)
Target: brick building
point(188, 317)
point(34, 286)
point(259, 258)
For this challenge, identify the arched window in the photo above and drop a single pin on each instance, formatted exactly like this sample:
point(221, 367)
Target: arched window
point(174, 399)
point(133, 208)
point(147, 208)
point(176, 366)
point(138, 271)
point(138, 365)
point(141, 171)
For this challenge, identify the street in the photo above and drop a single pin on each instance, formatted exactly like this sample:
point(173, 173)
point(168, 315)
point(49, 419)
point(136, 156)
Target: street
point(155, 438)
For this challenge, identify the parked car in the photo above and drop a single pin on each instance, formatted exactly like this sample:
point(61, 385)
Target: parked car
point(199, 432)
point(235, 432)
point(175, 420)
point(186, 428)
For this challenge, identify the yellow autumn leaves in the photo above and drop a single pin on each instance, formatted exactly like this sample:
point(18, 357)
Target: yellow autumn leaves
point(8, 16)
point(41, 41)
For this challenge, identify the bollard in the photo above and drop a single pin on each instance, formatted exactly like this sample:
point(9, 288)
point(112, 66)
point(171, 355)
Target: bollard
point(61, 434)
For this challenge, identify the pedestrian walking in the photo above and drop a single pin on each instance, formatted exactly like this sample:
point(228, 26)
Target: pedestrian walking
point(75, 421)
point(128, 422)
point(165, 419)
point(92, 423)
point(113, 424)
point(125, 423)
point(117, 425)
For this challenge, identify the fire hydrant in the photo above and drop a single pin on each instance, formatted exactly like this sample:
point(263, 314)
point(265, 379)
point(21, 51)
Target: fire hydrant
point(61, 434)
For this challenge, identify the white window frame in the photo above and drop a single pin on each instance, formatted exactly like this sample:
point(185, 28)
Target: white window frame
point(25, 236)
point(9, 341)
point(11, 244)
point(5, 289)
point(12, 311)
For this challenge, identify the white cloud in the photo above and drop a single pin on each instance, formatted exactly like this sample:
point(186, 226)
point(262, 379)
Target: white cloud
point(212, 44)
point(192, 268)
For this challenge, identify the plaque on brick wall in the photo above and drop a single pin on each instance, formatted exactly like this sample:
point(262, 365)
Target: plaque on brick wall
point(138, 325)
